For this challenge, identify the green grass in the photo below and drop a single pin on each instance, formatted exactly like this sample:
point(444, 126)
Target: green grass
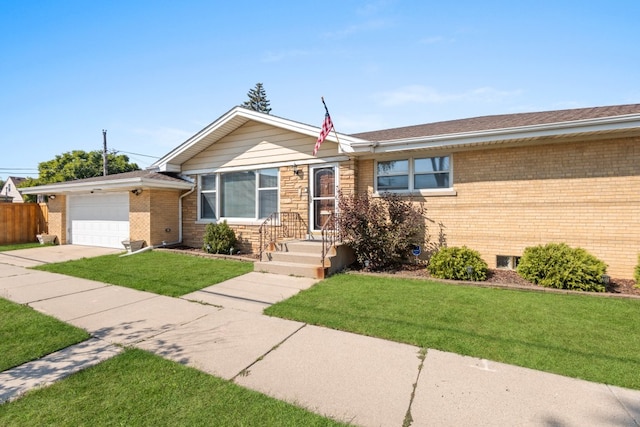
point(139, 389)
point(160, 272)
point(27, 335)
point(580, 336)
point(4, 248)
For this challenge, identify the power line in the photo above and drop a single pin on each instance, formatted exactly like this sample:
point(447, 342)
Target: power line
point(136, 154)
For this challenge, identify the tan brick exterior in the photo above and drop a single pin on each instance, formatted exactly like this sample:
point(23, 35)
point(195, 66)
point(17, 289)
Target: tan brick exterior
point(585, 194)
point(154, 216)
point(58, 218)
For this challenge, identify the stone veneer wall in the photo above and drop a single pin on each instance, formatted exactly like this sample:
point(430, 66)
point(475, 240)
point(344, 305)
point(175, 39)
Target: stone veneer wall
point(294, 197)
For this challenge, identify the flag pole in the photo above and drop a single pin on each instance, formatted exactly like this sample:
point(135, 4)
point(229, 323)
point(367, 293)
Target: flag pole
point(334, 125)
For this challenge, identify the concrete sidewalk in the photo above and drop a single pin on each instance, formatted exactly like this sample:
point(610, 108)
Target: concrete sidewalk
point(362, 380)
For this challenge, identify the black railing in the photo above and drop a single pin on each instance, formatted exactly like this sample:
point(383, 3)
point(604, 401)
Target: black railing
point(330, 234)
point(281, 226)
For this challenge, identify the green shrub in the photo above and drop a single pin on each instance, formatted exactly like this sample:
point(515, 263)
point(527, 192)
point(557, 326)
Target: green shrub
point(452, 263)
point(636, 274)
point(556, 265)
point(219, 238)
point(383, 230)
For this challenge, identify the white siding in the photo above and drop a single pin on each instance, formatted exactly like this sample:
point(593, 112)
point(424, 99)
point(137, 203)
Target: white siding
point(256, 143)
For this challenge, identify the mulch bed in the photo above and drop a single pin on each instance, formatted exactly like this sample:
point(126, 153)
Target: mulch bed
point(495, 277)
point(509, 278)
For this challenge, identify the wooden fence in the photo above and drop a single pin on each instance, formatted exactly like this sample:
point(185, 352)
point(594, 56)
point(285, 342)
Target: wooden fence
point(20, 222)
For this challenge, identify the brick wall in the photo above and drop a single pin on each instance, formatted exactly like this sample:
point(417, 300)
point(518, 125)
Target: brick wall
point(585, 194)
point(139, 216)
point(165, 218)
point(58, 217)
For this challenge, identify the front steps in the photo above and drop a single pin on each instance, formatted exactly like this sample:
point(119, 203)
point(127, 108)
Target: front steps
point(299, 258)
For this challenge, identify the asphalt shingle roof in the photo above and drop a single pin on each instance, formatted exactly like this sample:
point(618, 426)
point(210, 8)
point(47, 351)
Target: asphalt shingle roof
point(503, 121)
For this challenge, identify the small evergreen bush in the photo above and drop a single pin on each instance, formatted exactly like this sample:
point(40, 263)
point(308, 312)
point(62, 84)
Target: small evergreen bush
point(219, 238)
point(636, 274)
point(556, 265)
point(451, 263)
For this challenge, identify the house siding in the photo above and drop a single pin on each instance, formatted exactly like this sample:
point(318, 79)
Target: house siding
point(585, 194)
point(255, 144)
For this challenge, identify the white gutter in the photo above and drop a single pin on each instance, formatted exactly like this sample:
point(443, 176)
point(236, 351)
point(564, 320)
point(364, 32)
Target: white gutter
point(501, 135)
point(116, 184)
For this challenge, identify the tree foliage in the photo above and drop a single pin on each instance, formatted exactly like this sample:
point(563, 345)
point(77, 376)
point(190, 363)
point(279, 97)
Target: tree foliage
point(79, 164)
point(257, 100)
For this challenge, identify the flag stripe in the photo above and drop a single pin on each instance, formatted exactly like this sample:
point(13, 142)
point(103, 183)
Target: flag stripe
point(327, 125)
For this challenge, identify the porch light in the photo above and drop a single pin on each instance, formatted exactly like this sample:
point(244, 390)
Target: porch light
point(137, 191)
point(52, 196)
point(297, 172)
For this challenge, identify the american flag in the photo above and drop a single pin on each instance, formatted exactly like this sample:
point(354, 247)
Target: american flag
point(327, 125)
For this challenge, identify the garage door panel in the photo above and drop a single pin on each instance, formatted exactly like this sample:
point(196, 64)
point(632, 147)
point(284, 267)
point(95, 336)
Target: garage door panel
point(99, 219)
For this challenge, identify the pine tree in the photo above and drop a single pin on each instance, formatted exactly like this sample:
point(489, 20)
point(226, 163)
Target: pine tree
point(257, 100)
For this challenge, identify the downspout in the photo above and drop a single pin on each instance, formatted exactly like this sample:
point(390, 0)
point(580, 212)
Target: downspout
point(179, 220)
point(180, 211)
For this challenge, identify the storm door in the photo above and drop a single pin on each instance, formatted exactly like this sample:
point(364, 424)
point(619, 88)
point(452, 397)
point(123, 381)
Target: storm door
point(323, 195)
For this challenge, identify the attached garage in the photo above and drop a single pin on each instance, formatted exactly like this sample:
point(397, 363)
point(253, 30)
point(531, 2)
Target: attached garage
point(142, 205)
point(99, 219)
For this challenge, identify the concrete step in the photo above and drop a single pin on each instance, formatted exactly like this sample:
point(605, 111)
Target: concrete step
point(314, 271)
point(302, 246)
point(296, 258)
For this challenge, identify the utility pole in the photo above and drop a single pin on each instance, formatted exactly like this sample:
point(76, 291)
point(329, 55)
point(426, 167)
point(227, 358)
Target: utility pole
point(104, 152)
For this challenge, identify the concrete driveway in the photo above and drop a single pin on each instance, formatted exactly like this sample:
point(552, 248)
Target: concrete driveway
point(50, 254)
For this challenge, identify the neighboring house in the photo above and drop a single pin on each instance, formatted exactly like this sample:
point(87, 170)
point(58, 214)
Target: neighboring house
point(496, 184)
point(9, 192)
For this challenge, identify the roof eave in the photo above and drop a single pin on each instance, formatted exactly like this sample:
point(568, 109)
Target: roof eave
point(497, 136)
point(236, 117)
point(110, 185)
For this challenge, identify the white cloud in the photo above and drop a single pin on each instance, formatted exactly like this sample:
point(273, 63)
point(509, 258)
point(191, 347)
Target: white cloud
point(436, 40)
point(372, 25)
point(419, 94)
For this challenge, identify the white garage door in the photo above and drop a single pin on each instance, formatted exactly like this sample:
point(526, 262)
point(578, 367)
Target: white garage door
point(99, 219)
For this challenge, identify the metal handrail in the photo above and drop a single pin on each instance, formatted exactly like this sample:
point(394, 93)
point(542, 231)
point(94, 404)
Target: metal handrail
point(279, 226)
point(331, 234)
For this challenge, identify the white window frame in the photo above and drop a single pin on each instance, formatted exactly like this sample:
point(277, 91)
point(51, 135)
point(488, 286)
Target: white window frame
point(448, 191)
point(236, 220)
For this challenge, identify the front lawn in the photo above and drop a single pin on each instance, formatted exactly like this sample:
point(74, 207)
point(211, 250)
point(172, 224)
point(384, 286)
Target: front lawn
point(160, 272)
point(137, 388)
point(14, 247)
point(26, 334)
point(582, 336)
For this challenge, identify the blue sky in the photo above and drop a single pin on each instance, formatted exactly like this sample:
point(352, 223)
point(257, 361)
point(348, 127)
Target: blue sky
point(155, 72)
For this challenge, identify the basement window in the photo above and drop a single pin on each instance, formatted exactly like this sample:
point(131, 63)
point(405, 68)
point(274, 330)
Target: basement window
point(507, 262)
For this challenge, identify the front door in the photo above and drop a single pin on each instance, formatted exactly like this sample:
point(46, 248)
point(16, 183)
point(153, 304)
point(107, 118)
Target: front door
point(323, 195)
